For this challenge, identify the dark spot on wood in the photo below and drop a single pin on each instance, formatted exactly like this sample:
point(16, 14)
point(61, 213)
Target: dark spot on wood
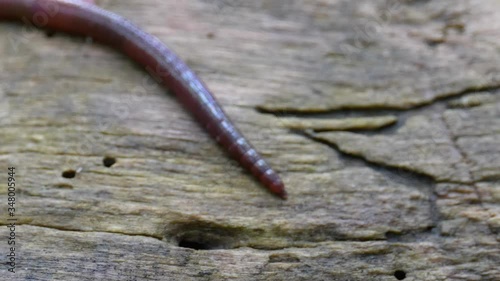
point(185, 243)
point(205, 235)
point(432, 42)
point(69, 174)
point(63, 185)
point(108, 161)
point(400, 274)
point(50, 33)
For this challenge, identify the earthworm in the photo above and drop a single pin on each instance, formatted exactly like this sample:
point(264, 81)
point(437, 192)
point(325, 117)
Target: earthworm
point(81, 17)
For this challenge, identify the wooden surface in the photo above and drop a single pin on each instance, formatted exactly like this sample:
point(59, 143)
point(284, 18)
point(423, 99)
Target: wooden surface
point(383, 118)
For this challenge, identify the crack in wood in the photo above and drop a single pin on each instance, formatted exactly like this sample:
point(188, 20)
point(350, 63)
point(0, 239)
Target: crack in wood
point(376, 110)
point(423, 182)
point(86, 231)
point(402, 114)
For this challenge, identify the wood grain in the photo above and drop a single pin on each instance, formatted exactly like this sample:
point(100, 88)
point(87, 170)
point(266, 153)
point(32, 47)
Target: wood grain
point(382, 117)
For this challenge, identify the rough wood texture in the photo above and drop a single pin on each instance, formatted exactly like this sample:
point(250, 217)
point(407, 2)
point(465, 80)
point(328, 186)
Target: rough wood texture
point(382, 116)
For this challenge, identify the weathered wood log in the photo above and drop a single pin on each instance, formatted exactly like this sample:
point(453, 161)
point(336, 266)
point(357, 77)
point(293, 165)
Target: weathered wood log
point(382, 116)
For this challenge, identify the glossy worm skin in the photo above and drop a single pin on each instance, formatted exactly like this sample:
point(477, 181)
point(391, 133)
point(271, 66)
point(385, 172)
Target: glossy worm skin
point(81, 17)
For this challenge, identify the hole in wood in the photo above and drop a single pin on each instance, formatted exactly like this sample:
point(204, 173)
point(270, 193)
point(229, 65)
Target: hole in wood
point(108, 161)
point(50, 33)
point(399, 274)
point(204, 235)
point(69, 174)
point(184, 243)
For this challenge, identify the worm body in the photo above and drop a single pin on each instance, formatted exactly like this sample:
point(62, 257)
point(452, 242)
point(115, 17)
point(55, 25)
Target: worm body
point(83, 18)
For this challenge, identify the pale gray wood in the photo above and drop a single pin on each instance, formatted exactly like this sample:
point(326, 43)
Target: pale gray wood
point(407, 180)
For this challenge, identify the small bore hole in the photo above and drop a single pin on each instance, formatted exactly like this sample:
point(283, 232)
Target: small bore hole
point(69, 174)
point(50, 33)
point(399, 274)
point(193, 245)
point(108, 161)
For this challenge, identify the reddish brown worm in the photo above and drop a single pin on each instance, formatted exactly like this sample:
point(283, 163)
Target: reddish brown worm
point(84, 18)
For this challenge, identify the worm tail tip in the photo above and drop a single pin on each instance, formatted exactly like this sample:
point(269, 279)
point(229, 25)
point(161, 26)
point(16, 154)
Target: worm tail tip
point(277, 187)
